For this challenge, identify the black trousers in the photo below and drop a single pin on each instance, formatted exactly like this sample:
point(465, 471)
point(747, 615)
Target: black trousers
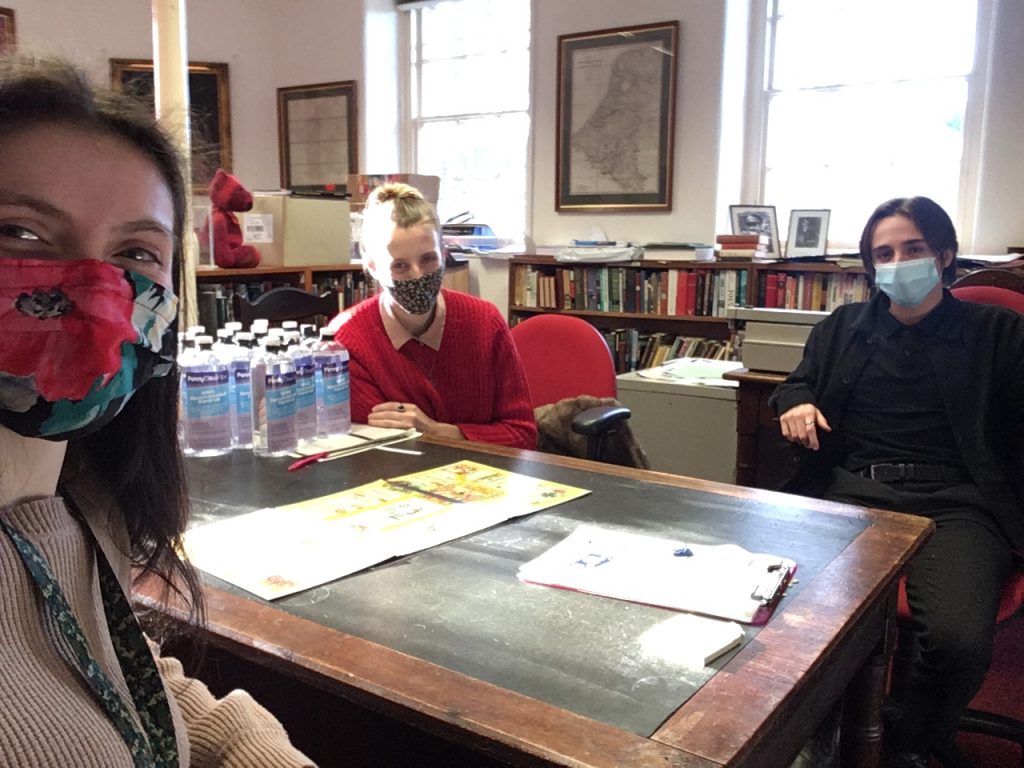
point(953, 589)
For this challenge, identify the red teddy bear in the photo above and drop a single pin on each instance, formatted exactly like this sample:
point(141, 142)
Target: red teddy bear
point(227, 196)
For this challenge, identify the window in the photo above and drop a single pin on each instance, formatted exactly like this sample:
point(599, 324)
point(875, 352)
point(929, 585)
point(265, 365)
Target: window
point(470, 101)
point(865, 100)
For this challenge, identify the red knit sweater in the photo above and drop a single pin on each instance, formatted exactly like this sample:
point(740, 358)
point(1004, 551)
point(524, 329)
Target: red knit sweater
point(475, 380)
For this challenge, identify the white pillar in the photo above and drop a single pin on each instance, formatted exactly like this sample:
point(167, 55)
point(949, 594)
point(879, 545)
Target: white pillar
point(170, 83)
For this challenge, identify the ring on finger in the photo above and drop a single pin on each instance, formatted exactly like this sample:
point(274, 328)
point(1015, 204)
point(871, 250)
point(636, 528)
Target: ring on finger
point(401, 406)
point(809, 423)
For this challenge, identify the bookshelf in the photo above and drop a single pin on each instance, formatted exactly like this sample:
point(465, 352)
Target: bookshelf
point(215, 286)
point(648, 311)
point(641, 306)
point(806, 285)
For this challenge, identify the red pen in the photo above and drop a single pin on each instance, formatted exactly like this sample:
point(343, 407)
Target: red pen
point(307, 460)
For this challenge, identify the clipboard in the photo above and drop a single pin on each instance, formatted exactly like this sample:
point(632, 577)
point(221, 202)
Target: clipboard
point(720, 580)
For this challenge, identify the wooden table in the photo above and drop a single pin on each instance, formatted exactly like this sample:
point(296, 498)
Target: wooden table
point(389, 690)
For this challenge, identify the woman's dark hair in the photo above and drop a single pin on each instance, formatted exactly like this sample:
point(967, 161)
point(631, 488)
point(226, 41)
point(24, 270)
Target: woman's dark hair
point(136, 458)
point(928, 216)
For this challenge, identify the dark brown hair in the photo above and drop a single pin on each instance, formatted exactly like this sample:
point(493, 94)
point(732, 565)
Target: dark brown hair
point(933, 222)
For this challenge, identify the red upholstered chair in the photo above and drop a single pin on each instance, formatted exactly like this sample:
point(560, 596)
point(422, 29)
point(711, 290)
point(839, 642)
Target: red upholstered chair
point(565, 358)
point(1003, 288)
point(991, 286)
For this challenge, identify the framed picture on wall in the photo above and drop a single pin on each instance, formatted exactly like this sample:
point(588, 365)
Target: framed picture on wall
point(7, 33)
point(808, 233)
point(616, 118)
point(210, 111)
point(757, 220)
point(318, 141)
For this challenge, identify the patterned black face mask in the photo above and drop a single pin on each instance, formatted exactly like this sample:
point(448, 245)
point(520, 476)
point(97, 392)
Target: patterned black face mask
point(418, 295)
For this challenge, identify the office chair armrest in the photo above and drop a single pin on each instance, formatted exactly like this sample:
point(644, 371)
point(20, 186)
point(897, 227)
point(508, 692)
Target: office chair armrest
point(596, 421)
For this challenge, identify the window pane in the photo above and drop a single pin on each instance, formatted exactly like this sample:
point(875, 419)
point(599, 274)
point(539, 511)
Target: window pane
point(490, 82)
point(474, 27)
point(482, 165)
point(832, 42)
point(475, 70)
point(849, 149)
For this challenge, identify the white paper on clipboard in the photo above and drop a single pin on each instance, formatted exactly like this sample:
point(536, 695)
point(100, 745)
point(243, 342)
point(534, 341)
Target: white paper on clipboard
point(722, 580)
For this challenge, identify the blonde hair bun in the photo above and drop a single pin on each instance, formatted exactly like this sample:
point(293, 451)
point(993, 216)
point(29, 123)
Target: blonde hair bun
point(395, 191)
point(389, 206)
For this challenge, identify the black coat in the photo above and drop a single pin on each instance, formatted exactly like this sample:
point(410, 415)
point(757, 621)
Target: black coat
point(977, 356)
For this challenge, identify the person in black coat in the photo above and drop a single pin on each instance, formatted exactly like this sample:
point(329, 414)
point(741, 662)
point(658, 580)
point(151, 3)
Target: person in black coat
point(914, 402)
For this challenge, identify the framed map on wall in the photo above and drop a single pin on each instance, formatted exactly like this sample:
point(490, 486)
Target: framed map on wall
point(317, 128)
point(616, 118)
point(209, 111)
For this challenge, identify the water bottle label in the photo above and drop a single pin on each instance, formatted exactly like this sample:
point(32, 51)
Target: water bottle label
point(305, 385)
point(243, 392)
point(280, 401)
point(335, 390)
point(206, 394)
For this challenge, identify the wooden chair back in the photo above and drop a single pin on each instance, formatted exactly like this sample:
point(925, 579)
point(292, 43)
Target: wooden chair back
point(286, 303)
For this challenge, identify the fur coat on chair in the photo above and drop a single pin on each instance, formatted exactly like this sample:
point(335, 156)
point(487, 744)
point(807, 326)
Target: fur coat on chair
point(555, 435)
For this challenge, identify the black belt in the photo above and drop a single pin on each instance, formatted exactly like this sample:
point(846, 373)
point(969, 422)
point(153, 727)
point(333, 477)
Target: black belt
point(927, 473)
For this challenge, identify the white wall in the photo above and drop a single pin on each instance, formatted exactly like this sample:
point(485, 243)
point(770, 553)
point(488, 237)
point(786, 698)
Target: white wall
point(273, 43)
point(267, 44)
point(698, 104)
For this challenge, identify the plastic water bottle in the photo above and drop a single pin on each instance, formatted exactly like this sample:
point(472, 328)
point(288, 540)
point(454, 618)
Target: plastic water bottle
point(333, 402)
point(273, 401)
point(305, 388)
point(241, 379)
point(206, 401)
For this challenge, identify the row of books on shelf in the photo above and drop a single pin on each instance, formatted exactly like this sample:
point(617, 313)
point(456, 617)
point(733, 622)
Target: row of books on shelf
point(352, 287)
point(635, 350)
point(668, 292)
point(215, 301)
point(816, 291)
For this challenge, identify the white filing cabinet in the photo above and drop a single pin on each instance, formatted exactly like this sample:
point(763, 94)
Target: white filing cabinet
point(684, 429)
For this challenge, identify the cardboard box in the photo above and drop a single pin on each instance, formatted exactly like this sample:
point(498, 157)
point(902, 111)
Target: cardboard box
point(317, 230)
point(360, 185)
point(263, 227)
point(298, 231)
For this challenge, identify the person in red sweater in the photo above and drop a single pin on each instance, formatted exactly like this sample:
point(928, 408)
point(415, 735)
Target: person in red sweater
point(439, 361)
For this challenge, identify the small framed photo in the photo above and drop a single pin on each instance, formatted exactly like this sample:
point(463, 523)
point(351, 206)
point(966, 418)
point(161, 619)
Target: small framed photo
point(808, 233)
point(757, 220)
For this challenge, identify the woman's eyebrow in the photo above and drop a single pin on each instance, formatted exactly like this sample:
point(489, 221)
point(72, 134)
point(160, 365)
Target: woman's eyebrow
point(49, 209)
point(35, 203)
point(147, 225)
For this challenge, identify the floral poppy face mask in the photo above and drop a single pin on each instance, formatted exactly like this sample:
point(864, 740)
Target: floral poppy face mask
point(77, 340)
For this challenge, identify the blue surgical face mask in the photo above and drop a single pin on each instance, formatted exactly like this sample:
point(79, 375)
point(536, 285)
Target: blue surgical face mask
point(907, 283)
